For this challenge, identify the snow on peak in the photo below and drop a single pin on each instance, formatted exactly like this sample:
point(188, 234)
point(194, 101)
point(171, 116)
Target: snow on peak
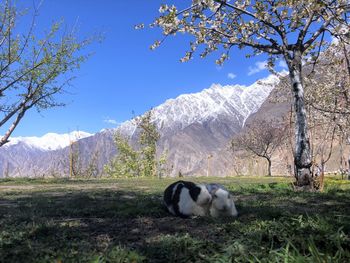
point(237, 101)
point(50, 141)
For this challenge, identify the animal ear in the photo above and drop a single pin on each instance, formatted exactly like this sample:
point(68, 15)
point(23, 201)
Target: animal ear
point(213, 192)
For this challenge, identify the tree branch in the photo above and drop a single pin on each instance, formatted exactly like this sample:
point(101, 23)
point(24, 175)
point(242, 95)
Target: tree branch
point(267, 23)
point(5, 138)
point(315, 35)
point(303, 32)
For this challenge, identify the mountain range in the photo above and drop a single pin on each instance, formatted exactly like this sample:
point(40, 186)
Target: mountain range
point(50, 141)
point(195, 129)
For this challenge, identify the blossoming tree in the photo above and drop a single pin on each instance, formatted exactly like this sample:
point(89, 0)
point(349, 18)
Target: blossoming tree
point(288, 29)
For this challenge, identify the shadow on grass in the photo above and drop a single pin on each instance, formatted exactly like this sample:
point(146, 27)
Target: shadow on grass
point(121, 226)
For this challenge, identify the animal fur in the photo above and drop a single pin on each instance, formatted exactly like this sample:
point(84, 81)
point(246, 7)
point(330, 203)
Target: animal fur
point(222, 203)
point(186, 199)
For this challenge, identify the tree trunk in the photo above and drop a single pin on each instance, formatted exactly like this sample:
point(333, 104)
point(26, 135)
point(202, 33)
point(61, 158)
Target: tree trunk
point(269, 167)
point(302, 155)
point(342, 161)
point(349, 167)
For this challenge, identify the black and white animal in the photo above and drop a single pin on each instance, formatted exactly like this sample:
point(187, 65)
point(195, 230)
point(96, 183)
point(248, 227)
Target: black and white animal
point(222, 203)
point(186, 199)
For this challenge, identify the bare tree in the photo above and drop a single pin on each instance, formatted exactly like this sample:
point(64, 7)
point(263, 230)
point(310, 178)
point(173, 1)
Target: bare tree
point(323, 135)
point(6, 171)
point(33, 70)
point(327, 87)
point(262, 138)
point(78, 165)
point(291, 30)
point(328, 96)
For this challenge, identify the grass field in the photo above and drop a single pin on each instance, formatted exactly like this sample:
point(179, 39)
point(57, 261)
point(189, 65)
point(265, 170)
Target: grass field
point(123, 220)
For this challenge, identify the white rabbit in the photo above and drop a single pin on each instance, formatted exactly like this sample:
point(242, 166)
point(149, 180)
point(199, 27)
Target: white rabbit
point(222, 203)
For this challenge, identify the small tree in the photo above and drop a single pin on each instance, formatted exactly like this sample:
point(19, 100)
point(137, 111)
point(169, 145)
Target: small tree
point(127, 161)
point(142, 161)
point(292, 30)
point(323, 130)
point(32, 68)
point(78, 167)
point(91, 170)
point(75, 164)
point(6, 171)
point(261, 138)
point(148, 139)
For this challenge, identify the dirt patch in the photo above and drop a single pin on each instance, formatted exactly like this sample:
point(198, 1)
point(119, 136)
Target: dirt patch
point(136, 233)
point(17, 187)
point(8, 204)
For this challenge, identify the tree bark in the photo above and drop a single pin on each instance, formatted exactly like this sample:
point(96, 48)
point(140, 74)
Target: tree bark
point(269, 173)
point(349, 167)
point(302, 155)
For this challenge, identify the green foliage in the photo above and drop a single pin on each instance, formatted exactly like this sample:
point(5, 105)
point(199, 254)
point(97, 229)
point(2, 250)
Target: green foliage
point(148, 139)
point(126, 163)
point(130, 162)
point(33, 70)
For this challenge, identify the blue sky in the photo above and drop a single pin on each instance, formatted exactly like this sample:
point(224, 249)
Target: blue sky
point(124, 75)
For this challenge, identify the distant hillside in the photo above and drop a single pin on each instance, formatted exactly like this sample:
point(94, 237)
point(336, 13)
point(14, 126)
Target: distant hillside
point(195, 129)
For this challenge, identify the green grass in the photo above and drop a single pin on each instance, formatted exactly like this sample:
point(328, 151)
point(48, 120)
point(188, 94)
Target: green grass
point(123, 220)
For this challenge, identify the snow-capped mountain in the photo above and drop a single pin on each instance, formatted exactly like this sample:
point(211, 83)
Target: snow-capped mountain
point(236, 100)
point(192, 126)
point(233, 100)
point(50, 141)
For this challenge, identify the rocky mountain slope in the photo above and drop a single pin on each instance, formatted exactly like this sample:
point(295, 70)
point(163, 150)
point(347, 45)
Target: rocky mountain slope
point(195, 132)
